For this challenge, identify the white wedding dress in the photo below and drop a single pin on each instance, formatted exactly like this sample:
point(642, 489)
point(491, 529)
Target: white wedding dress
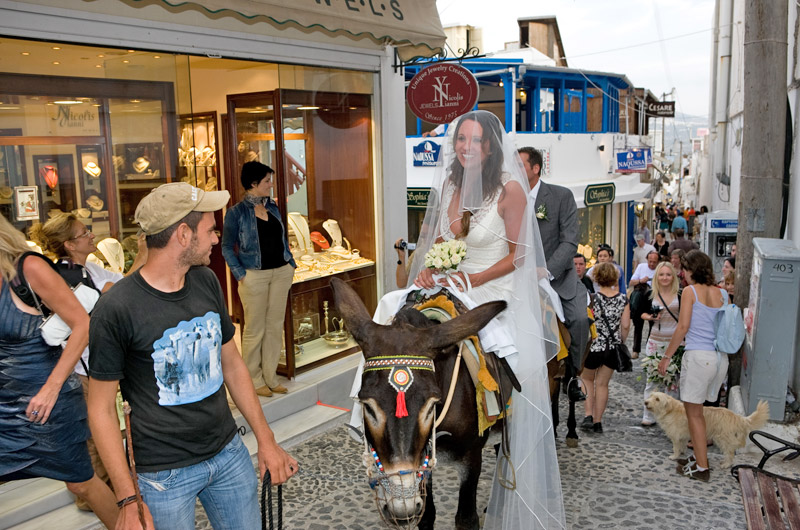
point(486, 245)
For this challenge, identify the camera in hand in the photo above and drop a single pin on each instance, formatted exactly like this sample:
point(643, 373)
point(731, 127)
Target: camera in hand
point(656, 309)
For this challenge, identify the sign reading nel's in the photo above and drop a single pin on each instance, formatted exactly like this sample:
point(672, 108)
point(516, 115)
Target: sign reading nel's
point(598, 194)
point(442, 92)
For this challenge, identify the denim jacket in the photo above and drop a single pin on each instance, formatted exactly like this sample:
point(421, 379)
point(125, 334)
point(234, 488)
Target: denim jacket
point(240, 246)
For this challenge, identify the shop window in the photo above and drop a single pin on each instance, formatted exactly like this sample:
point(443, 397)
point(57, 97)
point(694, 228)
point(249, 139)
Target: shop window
point(592, 229)
point(319, 144)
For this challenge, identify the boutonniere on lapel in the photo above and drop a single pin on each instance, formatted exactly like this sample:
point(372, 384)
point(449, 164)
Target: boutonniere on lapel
point(541, 213)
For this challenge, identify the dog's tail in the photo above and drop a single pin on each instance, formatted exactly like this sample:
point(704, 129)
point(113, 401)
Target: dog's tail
point(759, 418)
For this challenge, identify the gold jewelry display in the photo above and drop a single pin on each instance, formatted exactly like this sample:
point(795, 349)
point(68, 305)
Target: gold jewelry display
point(300, 228)
point(95, 203)
point(92, 169)
point(332, 227)
point(141, 164)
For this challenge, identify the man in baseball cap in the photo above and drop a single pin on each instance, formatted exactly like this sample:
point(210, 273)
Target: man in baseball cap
point(169, 203)
point(164, 335)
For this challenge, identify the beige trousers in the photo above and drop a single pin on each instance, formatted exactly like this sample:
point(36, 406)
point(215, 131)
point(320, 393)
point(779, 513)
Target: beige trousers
point(263, 295)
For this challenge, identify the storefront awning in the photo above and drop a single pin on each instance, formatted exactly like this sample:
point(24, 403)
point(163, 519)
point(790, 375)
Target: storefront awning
point(413, 26)
point(628, 188)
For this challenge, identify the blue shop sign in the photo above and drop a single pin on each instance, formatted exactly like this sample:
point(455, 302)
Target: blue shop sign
point(632, 161)
point(426, 153)
point(724, 224)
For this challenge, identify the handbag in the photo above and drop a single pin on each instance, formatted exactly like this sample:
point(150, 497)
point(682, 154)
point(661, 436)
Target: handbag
point(55, 331)
point(621, 352)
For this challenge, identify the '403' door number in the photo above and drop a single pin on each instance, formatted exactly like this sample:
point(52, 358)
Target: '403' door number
point(784, 267)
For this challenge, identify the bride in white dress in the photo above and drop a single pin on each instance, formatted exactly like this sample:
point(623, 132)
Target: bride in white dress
point(484, 202)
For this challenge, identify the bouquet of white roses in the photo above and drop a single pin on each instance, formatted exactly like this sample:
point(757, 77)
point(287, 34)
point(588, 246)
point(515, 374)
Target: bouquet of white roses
point(446, 256)
point(669, 380)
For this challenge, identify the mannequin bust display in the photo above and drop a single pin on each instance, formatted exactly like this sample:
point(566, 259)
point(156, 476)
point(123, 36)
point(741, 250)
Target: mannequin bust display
point(301, 232)
point(332, 227)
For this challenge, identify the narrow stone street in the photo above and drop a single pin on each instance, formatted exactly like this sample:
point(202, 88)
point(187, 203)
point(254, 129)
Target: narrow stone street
point(621, 478)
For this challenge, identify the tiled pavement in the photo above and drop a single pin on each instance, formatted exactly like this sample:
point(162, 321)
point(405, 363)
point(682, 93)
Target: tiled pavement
point(621, 478)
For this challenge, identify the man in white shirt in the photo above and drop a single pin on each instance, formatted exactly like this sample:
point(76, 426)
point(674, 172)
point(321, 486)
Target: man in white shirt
point(641, 250)
point(642, 277)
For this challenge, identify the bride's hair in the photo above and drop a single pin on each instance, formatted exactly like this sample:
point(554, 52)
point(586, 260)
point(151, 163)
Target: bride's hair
point(492, 167)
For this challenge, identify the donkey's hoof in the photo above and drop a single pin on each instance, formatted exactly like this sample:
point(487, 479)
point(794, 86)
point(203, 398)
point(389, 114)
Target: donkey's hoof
point(572, 442)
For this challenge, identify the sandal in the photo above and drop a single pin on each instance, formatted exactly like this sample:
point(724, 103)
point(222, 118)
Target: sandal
point(690, 470)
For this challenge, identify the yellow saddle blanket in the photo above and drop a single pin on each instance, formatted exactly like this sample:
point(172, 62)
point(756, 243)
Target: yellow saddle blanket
point(441, 309)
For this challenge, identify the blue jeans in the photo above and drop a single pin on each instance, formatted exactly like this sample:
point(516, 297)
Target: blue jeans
point(226, 485)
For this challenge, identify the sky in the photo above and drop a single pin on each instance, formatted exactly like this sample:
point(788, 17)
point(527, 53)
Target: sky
point(657, 44)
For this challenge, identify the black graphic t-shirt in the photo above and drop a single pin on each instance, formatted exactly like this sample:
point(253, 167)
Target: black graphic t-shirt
point(165, 350)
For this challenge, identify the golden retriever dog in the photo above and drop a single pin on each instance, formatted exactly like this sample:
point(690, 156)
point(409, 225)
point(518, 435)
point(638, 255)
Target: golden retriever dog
point(725, 428)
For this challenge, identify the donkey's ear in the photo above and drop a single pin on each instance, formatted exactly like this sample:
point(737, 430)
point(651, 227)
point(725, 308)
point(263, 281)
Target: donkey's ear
point(350, 307)
point(464, 325)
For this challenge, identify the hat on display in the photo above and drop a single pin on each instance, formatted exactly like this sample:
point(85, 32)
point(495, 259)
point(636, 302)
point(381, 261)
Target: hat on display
point(6, 192)
point(95, 203)
point(92, 169)
point(83, 213)
point(169, 203)
point(141, 164)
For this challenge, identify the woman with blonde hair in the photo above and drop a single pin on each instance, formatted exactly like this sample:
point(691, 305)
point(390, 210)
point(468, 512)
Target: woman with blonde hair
point(66, 239)
point(43, 427)
point(613, 322)
point(666, 303)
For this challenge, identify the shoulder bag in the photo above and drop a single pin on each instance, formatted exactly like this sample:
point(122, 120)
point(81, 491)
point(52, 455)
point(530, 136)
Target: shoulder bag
point(55, 331)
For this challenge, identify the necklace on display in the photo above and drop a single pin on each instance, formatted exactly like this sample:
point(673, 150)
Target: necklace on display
point(332, 227)
point(300, 227)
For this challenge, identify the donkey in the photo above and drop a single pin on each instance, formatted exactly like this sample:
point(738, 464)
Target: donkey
point(398, 443)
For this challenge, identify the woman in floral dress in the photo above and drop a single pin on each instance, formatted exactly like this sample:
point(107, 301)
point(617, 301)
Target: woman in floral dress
point(666, 307)
point(613, 322)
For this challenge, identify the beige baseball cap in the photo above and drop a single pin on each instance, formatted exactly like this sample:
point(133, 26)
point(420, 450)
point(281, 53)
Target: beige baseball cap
point(169, 203)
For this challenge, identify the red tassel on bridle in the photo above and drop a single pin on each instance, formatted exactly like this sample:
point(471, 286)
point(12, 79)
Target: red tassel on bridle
point(400, 409)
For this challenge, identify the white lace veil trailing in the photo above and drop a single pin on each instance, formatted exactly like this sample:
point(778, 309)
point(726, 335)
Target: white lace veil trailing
point(478, 161)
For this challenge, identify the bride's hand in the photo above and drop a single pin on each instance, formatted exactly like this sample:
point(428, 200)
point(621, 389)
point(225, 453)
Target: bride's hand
point(462, 275)
point(425, 279)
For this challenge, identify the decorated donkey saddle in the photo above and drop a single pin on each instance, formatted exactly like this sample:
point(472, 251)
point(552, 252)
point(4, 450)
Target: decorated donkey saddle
point(493, 378)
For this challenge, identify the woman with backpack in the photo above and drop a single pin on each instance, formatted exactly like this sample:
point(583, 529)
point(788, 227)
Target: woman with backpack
point(66, 239)
point(703, 368)
point(663, 317)
point(43, 427)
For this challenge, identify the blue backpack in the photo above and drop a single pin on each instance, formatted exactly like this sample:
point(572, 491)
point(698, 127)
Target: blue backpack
point(728, 328)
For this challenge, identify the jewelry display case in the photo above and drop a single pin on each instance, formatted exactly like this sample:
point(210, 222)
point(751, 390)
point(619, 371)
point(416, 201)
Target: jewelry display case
point(324, 188)
point(198, 163)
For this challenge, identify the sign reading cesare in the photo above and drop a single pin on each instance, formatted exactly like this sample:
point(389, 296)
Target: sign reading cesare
point(442, 92)
point(598, 194)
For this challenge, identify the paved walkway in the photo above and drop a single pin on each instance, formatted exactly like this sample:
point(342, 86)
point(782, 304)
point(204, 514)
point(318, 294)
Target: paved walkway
point(621, 478)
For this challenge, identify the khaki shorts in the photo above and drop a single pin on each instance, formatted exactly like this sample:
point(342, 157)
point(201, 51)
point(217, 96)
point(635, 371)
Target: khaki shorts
point(702, 375)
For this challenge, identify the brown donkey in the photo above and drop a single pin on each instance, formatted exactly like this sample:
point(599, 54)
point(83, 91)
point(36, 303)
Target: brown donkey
point(408, 368)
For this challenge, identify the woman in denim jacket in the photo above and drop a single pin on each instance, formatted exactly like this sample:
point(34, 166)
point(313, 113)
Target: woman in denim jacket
point(256, 247)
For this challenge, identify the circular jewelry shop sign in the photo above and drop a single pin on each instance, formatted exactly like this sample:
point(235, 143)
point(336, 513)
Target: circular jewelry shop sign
point(442, 92)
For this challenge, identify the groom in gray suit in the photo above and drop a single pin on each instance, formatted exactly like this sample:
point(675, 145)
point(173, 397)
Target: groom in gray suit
point(557, 216)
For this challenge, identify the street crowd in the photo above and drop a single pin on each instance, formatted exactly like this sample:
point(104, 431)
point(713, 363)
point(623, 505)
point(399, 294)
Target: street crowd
point(163, 335)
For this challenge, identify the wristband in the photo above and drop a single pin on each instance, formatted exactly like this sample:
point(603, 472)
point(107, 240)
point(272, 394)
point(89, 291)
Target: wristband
point(126, 501)
point(399, 262)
